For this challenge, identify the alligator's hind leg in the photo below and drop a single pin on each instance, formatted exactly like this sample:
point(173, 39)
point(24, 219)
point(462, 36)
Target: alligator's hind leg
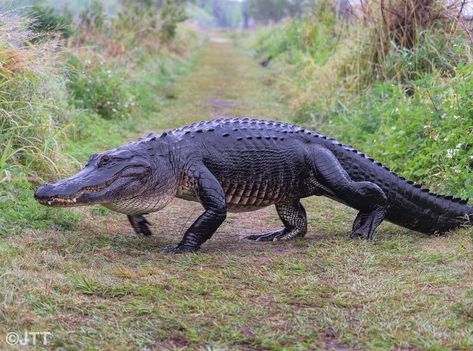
point(140, 224)
point(368, 197)
point(294, 219)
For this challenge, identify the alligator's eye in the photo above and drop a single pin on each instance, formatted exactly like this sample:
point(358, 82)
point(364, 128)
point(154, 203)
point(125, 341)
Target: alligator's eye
point(104, 160)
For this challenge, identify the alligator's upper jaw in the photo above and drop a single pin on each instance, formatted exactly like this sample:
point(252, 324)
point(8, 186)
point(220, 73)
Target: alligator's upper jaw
point(51, 195)
point(73, 191)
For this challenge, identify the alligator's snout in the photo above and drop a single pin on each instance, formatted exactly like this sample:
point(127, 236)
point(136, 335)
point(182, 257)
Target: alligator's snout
point(53, 195)
point(43, 192)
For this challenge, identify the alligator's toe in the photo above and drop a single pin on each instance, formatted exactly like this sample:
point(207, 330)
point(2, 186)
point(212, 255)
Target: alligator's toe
point(271, 236)
point(358, 234)
point(140, 224)
point(361, 233)
point(144, 229)
point(180, 249)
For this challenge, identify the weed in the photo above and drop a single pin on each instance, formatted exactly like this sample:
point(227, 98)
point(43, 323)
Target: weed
point(46, 21)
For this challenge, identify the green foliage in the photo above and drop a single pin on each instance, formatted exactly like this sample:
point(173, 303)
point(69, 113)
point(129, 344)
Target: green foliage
point(439, 52)
point(138, 16)
point(314, 37)
point(45, 20)
point(93, 16)
point(99, 88)
point(426, 138)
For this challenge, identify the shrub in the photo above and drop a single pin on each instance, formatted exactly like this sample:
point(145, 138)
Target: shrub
point(313, 38)
point(172, 13)
point(93, 16)
point(100, 88)
point(412, 32)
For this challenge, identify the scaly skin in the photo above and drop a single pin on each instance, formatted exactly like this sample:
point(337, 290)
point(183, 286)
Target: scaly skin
point(243, 164)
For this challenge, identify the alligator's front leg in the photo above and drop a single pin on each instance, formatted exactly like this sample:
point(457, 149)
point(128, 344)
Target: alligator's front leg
point(212, 198)
point(294, 219)
point(140, 224)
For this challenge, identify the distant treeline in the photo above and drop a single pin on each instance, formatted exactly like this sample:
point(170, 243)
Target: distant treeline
point(207, 13)
point(246, 13)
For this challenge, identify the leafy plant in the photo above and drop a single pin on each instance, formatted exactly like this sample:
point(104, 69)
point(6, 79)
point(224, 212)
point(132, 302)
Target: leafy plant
point(93, 16)
point(99, 88)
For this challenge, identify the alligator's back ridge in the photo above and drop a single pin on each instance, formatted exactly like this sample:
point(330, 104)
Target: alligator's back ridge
point(252, 124)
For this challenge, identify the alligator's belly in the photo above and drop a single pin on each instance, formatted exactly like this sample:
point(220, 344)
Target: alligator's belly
point(250, 196)
point(233, 206)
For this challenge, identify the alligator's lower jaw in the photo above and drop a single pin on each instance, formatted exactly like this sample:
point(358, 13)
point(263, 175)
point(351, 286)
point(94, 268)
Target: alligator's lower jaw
point(60, 202)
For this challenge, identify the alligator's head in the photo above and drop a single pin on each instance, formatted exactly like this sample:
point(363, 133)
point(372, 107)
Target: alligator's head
point(121, 179)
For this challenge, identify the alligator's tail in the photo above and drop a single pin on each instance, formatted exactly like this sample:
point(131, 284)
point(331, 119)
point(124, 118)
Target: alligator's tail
point(419, 209)
point(409, 205)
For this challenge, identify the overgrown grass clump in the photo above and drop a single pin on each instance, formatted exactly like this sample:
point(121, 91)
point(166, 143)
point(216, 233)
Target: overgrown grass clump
point(32, 100)
point(394, 79)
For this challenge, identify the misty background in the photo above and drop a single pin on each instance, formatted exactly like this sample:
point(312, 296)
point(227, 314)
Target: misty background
point(205, 13)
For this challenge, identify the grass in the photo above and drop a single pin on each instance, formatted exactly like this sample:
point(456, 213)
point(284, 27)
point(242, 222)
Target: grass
point(97, 286)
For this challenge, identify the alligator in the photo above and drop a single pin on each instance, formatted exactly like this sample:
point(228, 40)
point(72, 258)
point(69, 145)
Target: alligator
point(243, 164)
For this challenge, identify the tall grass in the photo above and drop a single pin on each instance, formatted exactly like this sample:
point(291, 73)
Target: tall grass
point(403, 39)
point(32, 95)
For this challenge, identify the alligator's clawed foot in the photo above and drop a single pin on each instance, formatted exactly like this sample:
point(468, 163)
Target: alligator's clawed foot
point(366, 222)
point(140, 224)
point(271, 236)
point(180, 249)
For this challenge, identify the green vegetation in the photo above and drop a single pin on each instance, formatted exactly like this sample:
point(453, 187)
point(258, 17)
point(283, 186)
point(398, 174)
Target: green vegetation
point(44, 21)
point(270, 11)
point(397, 85)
